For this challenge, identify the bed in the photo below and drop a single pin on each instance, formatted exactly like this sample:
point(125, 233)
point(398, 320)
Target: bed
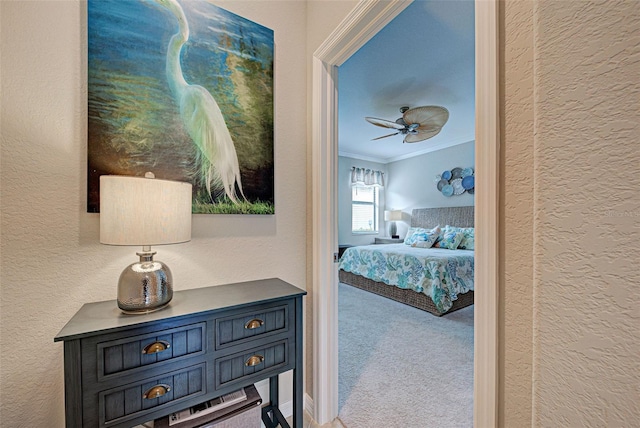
point(436, 280)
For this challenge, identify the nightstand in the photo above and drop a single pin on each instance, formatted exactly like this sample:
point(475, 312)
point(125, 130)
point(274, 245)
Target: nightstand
point(389, 241)
point(341, 250)
point(122, 370)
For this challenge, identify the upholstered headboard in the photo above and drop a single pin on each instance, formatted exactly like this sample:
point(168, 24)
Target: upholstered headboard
point(432, 217)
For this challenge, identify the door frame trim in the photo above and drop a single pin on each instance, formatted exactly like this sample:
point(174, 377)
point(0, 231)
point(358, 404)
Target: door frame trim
point(362, 23)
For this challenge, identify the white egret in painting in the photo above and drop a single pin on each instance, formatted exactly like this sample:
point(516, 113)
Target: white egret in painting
point(201, 116)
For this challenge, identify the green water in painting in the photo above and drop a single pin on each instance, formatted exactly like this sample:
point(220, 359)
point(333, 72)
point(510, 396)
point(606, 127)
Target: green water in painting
point(134, 124)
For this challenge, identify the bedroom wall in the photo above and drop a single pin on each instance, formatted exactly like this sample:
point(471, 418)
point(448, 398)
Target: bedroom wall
point(410, 182)
point(52, 262)
point(345, 236)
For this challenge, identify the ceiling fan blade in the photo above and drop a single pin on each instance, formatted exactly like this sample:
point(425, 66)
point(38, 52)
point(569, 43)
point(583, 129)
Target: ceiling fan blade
point(427, 115)
point(384, 123)
point(431, 119)
point(385, 136)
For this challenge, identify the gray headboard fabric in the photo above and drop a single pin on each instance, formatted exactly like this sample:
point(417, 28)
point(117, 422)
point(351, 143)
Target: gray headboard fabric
point(432, 217)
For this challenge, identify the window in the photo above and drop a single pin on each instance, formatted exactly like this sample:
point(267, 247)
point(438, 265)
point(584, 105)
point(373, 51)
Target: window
point(364, 209)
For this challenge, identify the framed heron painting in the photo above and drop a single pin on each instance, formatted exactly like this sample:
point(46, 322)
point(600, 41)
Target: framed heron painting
point(183, 89)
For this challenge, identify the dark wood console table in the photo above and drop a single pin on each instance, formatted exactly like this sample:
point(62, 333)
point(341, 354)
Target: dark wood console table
point(122, 370)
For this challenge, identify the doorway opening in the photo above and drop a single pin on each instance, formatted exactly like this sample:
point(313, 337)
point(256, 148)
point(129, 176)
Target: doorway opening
point(420, 62)
point(362, 23)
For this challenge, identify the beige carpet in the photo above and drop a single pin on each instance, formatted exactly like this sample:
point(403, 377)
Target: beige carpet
point(403, 367)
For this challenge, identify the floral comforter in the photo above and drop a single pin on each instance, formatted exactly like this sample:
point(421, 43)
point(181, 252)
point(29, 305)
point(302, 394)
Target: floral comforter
point(439, 273)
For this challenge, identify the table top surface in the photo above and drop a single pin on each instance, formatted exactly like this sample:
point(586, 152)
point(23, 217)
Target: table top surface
point(394, 240)
point(99, 317)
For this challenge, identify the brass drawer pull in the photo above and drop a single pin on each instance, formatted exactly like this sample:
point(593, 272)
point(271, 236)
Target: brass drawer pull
point(155, 347)
point(156, 391)
point(254, 360)
point(254, 323)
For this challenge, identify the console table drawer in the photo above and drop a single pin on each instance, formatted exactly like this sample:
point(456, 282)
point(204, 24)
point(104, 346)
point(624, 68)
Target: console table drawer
point(241, 367)
point(261, 321)
point(134, 400)
point(124, 356)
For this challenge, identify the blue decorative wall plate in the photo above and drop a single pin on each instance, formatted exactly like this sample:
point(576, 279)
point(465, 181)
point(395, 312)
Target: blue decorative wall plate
point(468, 182)
point(456, 181)
point(457, 186)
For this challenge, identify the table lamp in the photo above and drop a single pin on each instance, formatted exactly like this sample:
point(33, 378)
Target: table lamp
point(393, 216)
point(145, 212)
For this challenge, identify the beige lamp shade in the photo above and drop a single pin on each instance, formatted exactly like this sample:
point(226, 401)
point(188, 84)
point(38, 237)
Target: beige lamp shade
point(393, 215)
point(144, 211)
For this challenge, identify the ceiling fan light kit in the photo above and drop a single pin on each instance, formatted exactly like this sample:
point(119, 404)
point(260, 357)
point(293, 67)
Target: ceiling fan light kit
point(416, 124)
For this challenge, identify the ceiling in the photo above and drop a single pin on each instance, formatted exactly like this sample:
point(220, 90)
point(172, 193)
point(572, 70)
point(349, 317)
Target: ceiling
point(425, 56)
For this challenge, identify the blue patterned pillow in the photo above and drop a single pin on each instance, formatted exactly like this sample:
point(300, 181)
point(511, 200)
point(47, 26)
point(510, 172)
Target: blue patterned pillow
point(468, 236)
point(451, 238)
point(409, 239)
point(469, 240)
point(422, 238)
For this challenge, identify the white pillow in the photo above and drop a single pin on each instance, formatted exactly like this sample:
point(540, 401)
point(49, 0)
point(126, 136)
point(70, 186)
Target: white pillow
point(422, 238)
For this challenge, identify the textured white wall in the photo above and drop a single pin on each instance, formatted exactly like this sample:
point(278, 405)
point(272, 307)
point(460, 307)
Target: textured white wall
point(570, 213)
point(52, 262)
point(516, 216)
point(587, 224)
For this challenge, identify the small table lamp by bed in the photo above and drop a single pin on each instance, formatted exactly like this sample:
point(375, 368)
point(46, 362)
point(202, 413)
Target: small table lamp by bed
point(144, 212)
point(393, 216)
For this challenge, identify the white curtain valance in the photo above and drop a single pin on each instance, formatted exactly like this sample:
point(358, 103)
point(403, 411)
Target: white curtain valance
point(366, 177)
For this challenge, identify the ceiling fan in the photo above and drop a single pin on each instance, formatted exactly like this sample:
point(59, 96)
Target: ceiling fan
point(416, 124)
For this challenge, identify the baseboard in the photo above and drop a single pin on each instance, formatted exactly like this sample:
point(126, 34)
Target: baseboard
point(308, 405)
point(286, 409)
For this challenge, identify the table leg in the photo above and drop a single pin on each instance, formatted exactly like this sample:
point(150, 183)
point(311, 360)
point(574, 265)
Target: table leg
point(298, 392)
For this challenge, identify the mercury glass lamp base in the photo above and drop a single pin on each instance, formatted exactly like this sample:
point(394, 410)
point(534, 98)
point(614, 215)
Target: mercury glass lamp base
point(142, 311)
point(145, 286)
point(393, 229)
